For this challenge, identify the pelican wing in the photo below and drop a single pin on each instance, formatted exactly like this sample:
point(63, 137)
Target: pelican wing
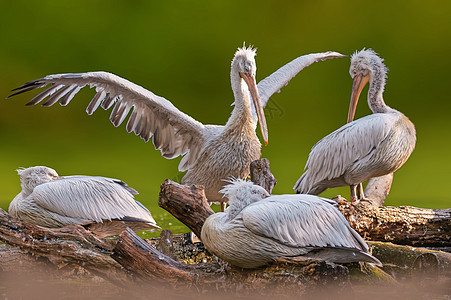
point(174, 133)
point(301, 221)
point(336, 152)
point(91, 198)
point(280, 78)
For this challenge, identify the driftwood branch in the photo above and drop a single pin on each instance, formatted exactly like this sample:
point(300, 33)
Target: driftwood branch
point(187, 203)
point(405, 225)
point(68, 245)
point(289, 276)
point(261, 175)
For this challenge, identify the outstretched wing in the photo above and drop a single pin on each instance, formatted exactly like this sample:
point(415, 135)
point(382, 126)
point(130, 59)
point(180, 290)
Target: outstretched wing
point(174, 133)
point(301, 221)
point(280, 78)
point(336, 152)
point(90, 198)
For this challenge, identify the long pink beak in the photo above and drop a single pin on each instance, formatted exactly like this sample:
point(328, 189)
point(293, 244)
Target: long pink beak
point(250, 81)
point(357, 86)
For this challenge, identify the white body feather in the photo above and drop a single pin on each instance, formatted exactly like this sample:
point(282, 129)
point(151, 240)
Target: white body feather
point(371, 146)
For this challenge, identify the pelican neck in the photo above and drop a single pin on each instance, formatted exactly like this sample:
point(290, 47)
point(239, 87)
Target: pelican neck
point(375, 94)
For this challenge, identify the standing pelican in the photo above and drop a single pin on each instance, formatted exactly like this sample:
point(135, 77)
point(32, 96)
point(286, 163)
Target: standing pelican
point(211, 153)
point(106, 206)
point(372, 146)
point(258, 228)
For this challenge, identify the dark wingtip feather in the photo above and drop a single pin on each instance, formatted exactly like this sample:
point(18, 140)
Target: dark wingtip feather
point(137, 220)
point(31, 85)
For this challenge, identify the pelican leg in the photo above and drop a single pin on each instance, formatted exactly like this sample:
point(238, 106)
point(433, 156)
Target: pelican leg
point(353, 192)
point(358, 190)
point(360, 193)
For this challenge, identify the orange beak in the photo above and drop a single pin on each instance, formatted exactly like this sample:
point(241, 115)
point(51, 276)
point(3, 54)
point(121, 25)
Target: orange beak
point(357, 86)
point(250, 81)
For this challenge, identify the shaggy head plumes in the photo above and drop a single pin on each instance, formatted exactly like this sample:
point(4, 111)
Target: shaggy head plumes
point(34, 176)
point(244, 60)
point(367, 61)
point(242, 193)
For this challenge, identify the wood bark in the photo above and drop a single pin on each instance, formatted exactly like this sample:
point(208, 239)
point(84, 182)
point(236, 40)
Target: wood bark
point(187, 203)
point(405, 225)
point(261, 175)
point(287, 276)
point(68, 245)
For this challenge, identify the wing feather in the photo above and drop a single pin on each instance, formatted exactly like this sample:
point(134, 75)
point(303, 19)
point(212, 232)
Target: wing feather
point(280, 78)
point(90, 198)
point(336, 152)
point(151, 115)
point(301, 221)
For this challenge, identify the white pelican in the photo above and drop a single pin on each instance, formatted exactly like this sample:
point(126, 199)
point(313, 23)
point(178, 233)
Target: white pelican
point(372, 146)
point(211, 152)
point(107, 206)
point(257, 229)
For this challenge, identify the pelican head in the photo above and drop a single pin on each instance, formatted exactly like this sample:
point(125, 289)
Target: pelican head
point(244, 64)
point(366, 65)
point(34, 176)
point(242, 193)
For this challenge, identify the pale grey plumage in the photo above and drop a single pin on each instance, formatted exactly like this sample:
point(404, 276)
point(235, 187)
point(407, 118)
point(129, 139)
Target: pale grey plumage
point(51, 201)
point(211, 153)
point(257, 229)
point(371, 146)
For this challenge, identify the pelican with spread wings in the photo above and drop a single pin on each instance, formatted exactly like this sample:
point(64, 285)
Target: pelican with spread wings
point(210, 153)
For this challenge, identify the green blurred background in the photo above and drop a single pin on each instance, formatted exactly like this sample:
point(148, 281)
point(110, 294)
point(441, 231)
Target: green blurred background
point(181, 50)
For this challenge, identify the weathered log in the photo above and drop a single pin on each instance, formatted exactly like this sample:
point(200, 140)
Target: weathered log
point(404, 261)
point(287, 275)
point(404, 225)
point(187, 203)
point(68, 245)
point(261, 175)
point(75, 245)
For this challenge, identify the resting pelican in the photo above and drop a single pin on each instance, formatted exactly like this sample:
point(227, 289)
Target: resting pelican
point(211, 152)
point(105, 205)
point(372, 146)
point(257, 229)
